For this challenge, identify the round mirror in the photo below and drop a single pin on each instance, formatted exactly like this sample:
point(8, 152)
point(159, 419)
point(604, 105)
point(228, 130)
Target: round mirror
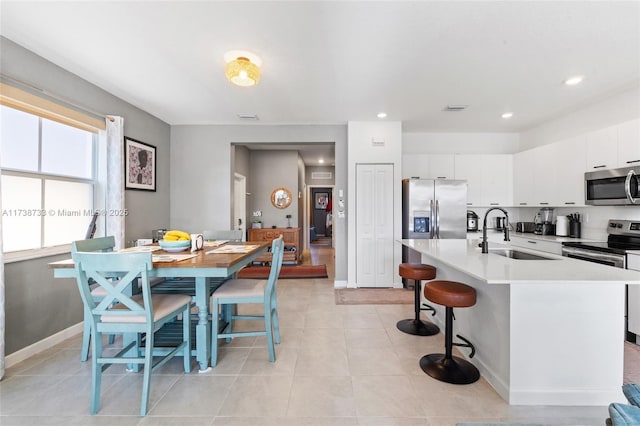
point(281, 198)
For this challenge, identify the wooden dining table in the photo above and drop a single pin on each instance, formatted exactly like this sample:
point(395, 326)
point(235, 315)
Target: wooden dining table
point(205, 267)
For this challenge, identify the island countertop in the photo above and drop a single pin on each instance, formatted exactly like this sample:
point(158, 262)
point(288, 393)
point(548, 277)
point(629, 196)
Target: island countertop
point(465, 256)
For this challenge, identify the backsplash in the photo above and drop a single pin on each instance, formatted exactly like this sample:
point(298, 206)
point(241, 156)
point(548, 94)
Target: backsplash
point(594, 218)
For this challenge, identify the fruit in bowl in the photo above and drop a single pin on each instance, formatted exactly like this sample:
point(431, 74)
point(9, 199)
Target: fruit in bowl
point(175, 241)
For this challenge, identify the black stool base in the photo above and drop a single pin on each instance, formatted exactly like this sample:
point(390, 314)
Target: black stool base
point(454, 370)
point(417, 327)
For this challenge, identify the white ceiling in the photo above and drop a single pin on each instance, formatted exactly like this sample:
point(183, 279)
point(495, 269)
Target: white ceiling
point(332, 62)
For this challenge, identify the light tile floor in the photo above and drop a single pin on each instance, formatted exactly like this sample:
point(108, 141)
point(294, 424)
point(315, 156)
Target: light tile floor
point(337, 365)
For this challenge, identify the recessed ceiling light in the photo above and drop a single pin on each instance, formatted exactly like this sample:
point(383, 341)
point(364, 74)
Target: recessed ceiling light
point(321, 161)
point(572, 81)
point(382, 115)
point(507, 115)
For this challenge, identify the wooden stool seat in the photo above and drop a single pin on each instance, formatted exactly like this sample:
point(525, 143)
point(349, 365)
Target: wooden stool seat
point(450, 293)
point(446, 367)
point(417, 272)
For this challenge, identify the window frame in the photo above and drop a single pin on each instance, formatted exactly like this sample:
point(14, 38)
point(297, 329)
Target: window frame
point(97, 136)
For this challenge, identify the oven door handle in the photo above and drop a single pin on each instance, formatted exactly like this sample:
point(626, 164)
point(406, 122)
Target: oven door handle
point(627, 186)
point(617, 259)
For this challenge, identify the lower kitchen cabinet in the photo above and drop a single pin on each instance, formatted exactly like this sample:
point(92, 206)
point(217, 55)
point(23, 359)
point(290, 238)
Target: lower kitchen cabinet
point(535, 244)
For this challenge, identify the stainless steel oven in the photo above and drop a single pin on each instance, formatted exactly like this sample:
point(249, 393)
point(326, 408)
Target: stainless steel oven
point(613, 187)
point(624, 236)
point(591, 255)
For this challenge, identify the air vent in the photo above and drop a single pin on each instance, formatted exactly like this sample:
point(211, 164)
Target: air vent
point(321, 175)
point(455, 108)
point(248, 116)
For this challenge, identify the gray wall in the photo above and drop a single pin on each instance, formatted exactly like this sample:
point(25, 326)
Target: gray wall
point(30, 287)
point(201, 172)
point(271, 170)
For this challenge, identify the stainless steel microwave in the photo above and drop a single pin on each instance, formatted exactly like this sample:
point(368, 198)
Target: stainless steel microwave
point(613, 187)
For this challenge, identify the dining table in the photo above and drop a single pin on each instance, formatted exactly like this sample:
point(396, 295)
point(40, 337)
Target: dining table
point(205, 267)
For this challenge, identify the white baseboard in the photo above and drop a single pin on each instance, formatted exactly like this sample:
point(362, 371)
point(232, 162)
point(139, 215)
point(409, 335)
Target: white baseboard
point(339, 284)
point(41, 345)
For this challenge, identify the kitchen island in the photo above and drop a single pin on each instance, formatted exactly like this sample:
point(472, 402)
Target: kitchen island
point(547, 331)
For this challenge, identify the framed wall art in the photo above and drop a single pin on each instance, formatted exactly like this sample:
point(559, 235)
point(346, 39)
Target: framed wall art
point(322, 198)
point(139, 165)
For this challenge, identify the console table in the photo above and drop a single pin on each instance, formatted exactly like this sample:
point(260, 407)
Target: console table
point(292, 238)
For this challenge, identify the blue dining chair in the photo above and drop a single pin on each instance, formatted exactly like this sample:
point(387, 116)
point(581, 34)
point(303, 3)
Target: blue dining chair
point(120, 312)
point(239, 291)
point(104, 244)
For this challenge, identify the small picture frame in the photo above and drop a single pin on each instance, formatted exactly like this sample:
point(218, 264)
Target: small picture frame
point(139, 165)
point(322, 199)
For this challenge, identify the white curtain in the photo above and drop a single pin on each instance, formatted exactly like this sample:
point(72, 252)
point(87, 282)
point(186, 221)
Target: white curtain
point(1, 296)
point(114, 194)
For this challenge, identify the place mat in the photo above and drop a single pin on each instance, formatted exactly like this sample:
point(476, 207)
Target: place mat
point(229, 248)
point(141, 249)
point(161, 258)
point(215, 243)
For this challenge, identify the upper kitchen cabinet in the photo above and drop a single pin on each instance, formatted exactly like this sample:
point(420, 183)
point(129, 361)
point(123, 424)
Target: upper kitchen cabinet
point(427, 166)
point(523, 182)
point(489, 178)
point(467, 167)
point(569, 162)
point(629, 143)
point(535, 177)
point(602, 149)
point(441, 166)
point(414, 165)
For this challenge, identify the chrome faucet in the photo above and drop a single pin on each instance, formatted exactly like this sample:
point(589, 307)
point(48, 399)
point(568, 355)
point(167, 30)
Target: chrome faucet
point(485, 244)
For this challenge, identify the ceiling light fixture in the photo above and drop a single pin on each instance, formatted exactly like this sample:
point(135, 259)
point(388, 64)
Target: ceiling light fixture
point(321, 161)
point(382, 115)
point(507, 115)
point(572, 81)
point(243, 68)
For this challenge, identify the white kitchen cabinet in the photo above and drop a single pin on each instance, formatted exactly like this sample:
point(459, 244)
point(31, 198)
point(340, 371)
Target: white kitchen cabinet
point(523, 178)
point(602, 149)
point(497, 180)
point(535, 244)
point(440, 166)
point(545, 170)
point(489, 178)
point(428, 166)
point(569, 163)
point(629, 143)
point(467, 167)
point(415, 165)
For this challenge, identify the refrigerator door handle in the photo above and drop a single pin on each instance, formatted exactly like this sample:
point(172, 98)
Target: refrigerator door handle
point(431, 224)
point(437, 218)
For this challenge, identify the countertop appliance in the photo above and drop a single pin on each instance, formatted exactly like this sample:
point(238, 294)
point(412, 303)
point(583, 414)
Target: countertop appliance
point(472, 221)
point(613, 187)
point(431, 209)
point(528, 227)
point(544, 222)
point(623, 237)
point(562, 226)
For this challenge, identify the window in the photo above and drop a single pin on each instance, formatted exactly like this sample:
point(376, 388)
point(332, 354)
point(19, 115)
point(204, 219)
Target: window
point(48, 178)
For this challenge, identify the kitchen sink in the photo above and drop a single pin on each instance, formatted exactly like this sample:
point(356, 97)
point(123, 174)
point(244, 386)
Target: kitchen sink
point(517, 254)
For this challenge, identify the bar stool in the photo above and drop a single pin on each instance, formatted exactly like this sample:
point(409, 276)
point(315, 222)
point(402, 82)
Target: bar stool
point(445, 367)
point(418, 272)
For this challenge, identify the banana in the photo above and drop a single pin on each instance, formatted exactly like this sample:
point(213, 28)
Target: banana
point(177, 235)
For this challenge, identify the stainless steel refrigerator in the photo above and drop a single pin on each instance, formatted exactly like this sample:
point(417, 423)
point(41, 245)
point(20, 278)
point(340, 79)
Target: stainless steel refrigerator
point(432, 209)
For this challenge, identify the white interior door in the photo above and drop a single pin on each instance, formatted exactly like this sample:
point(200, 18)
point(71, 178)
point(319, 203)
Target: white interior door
point(240, 204)
point(374, 219)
